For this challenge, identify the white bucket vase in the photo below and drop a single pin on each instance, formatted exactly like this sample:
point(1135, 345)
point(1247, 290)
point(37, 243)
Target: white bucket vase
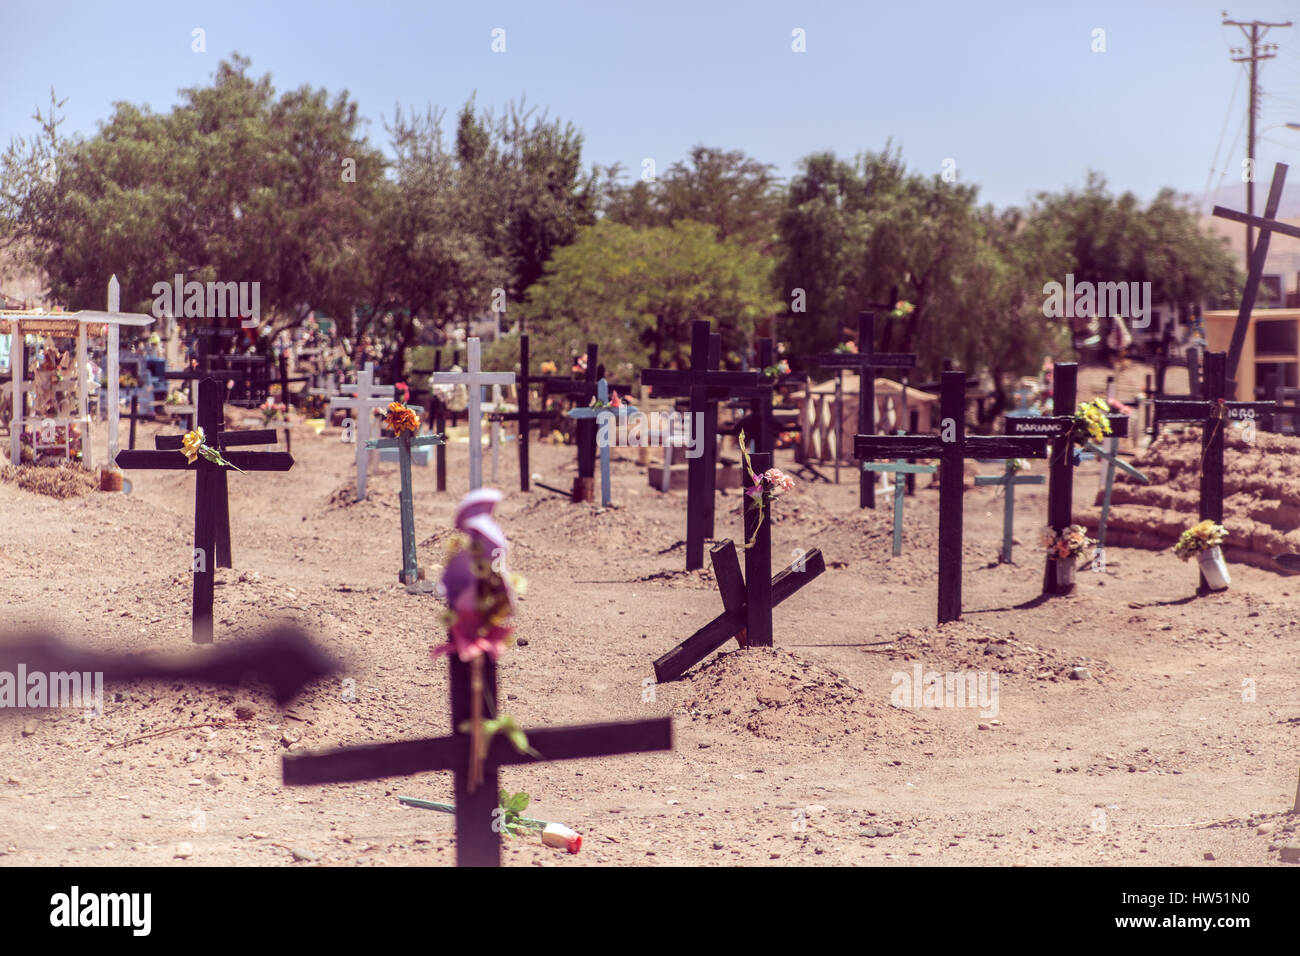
point(1065, 568)
point(1214, 568)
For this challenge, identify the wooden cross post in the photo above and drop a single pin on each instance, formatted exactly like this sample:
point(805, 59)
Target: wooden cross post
point(581, 391)
point(760, 399)
point(866, 360)
point(1060, 428)
point(439, 425)
point(900, 469)
point(1213, 413)
point(700, 382)
point(607, 434)
point(1113, 463)
point(1267, 225)
point(1008, 480)
point(209, 491)
point(951, 446)
point(478, 839)
point(474, 378)
point(411, 571)
point(365, 397)
point(525, 416)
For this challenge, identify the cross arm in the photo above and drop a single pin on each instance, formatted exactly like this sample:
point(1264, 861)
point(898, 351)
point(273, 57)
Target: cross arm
point(407, 757)
point(421, 442)
point(1005, 446)
point(1010, 479)
point(1262, 223)
point(729, 623)
point(860, 360)
point(1174, 410)
point(252, 436)
point(903, 468)
point(868, 447)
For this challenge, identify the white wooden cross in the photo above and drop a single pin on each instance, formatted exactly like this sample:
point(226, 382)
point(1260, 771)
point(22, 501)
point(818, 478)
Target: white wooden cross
point(363, 398)
point(474, 379)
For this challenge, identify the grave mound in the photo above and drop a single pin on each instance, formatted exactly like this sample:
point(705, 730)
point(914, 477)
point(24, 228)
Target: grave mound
point(1261, 496)
point(773, 695)
point(345, 496)
point(966, 645)
point(65, 480)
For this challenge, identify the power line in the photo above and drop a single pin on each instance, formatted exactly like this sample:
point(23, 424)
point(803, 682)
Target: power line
point(1259, 50)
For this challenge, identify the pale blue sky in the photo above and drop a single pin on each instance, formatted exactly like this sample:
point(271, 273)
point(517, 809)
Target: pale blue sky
point(1011, 91)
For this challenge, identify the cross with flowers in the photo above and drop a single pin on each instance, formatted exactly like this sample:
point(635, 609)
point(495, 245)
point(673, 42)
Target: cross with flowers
point(607, 412)
point(1213, 414)
point(204, 451)
point(747, 600)
point(584, 386)
point(1091, 423)
point(404, 423)
point(480, 594)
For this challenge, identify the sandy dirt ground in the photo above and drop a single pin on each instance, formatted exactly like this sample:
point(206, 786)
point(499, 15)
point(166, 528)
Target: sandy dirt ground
point(1126, 730)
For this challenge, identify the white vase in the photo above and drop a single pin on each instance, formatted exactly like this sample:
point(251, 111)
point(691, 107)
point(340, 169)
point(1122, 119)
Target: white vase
point(1214, 568)
point(1065, 571)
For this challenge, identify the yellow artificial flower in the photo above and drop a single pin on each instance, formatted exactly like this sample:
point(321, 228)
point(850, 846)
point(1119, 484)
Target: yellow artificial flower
point(191, 444)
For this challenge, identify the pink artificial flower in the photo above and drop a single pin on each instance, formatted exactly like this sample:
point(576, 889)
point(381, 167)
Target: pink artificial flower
point(476, 583)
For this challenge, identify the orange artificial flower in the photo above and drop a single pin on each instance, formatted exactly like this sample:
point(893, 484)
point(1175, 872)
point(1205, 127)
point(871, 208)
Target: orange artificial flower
point(400, 418)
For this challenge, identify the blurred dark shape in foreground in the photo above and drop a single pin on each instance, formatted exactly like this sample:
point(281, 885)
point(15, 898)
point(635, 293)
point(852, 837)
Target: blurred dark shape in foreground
point(284, 657)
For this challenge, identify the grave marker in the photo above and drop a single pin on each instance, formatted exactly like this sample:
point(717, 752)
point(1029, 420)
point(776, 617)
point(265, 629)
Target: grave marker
point(700, 382)
point(951, 446)
point(747, 600)
point(866, 360)
point(209, 493)
point(584, 390)
point(607, 418)
point(1060, 428)
point(1267, 225)
point(474, 378)
point(406, 440)
point(1008, 481)
point(901, 469)
point(366, 395)
point(1212, 414)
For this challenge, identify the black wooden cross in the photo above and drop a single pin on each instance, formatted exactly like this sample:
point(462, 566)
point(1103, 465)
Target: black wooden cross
point(1267, 224)
point(951, 446)
point(761, 419)
point(210, 502)
point(1060, 428)
point(747, 601)
point(583, 390)
point(866, 360)
point(703, 384)
point(526, 417)
point(251, 375)
point(200, 366)
point(1213, 414)
point(478, 840)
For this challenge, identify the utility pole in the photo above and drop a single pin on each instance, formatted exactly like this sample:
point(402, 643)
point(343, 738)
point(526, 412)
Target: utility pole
point(1258, 29)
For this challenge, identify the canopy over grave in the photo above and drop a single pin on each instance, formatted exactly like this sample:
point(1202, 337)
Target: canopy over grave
point(76, 325)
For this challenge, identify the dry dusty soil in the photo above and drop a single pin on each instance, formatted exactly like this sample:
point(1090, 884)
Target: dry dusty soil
point(1175, 744)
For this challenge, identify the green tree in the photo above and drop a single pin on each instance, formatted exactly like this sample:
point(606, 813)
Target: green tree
point(636, 291)
point(234, 184)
